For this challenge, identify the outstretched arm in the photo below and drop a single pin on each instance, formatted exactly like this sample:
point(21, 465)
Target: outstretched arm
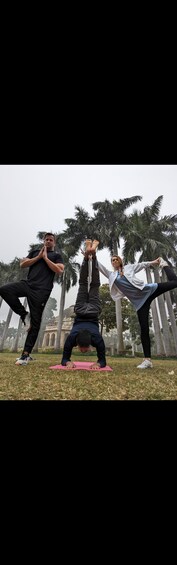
point(103, 270)
point(139, 266)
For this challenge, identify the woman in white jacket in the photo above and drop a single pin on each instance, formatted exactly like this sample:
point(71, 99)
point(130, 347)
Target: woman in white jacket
point(123, 282)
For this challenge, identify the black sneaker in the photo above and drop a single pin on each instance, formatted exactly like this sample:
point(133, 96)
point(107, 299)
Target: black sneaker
point(29, 358)
point(23, 360)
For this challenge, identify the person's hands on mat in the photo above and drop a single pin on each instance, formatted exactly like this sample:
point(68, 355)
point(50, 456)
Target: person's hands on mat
point(70, 365)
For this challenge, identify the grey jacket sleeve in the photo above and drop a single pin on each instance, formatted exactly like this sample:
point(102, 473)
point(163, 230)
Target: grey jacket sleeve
point(140, 266)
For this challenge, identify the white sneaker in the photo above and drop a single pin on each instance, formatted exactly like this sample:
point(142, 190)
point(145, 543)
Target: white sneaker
point(163, 263)
point(29, 358)
point(23, 360)
point(146, 364)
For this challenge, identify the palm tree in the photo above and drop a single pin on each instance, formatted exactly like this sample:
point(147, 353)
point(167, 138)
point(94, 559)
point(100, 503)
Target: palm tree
point(14, 275)
point(19, 330)
point(4, 273)
point(158, 235)
point(107, 317)
point(4, 335)
point(160, 349)
point(109, 221)
point(168, 301)
point(164, 321)
point(48, 314)
point(78, 229)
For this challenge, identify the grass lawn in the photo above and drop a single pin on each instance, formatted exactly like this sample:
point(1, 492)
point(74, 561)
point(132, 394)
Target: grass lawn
point(36, 381)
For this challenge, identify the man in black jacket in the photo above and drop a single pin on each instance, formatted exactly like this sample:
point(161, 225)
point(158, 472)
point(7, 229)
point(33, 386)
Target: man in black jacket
point(43, 264)
point(85, 330)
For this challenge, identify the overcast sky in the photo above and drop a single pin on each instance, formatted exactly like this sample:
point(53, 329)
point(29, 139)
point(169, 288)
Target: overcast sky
point(39, 197)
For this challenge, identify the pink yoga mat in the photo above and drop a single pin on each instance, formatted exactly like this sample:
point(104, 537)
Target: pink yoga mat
point(81, 365)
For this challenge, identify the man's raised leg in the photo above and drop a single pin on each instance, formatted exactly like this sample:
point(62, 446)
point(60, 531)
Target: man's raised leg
point(11, 293)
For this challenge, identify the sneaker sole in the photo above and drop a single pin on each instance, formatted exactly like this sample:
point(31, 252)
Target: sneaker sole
point(22, 364)
point(143, 368)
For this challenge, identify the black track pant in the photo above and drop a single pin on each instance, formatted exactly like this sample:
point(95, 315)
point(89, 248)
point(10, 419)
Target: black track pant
point(36, 300)
point(88, 304)
point(143, 312)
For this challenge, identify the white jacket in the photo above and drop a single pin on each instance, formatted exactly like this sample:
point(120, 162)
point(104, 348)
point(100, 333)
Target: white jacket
point(129, 271)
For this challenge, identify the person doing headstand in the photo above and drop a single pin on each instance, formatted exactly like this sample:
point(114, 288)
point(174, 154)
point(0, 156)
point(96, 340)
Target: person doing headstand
point(85, 330)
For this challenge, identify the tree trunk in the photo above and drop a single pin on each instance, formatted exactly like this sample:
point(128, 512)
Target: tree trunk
point(41, 335)
point(155, 317)
point(120, 343)
point(164, 321)
point(4, 335)
point(39, 340)
point(36, 345)
point(19, 329)
point(60, 318)
point(171, 315)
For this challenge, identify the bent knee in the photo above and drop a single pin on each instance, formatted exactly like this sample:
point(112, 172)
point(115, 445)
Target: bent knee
point(2, 291)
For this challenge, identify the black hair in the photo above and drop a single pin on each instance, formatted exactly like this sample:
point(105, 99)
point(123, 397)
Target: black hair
point(83, 338)
point(49, 233)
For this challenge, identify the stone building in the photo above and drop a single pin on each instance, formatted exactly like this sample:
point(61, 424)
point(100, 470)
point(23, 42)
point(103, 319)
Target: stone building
point(50, 332)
